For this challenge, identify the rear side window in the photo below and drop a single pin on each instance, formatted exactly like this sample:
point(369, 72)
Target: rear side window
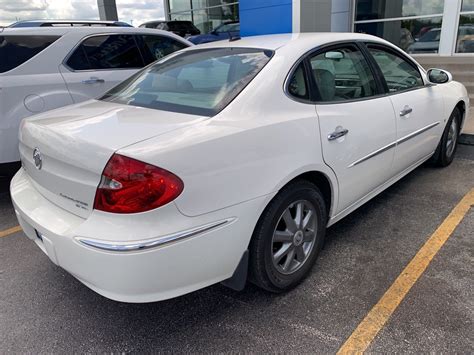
point(157, 47)
point(16, 50)
point(399, 74)
point(106, 52)
point(342, 74)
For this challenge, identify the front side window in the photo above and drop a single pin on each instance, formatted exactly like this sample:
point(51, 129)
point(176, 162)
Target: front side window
point(399, 74)
point(157, 47)
point(200, 82)
point(342, 74)
point(16, 50)
point(106, 52)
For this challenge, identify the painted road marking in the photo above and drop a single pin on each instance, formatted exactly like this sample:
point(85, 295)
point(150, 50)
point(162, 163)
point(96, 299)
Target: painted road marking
point(367, 330)
point(7, 232)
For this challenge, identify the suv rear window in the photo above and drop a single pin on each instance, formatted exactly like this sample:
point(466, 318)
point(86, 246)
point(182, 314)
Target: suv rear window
point(16, 50)
point(200, 82)
point(180, 25)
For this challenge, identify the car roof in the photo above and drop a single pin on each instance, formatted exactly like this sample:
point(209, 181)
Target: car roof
point(300, 40)
point(60, 31)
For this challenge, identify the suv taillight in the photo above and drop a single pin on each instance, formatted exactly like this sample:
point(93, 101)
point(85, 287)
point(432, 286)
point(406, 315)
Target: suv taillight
point(132, 186)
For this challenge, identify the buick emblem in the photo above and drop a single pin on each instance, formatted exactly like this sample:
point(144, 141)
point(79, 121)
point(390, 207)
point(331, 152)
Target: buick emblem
point(37, 158)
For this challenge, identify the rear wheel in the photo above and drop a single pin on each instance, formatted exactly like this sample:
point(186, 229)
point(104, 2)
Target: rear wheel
point(444, 154)
point(288, 237)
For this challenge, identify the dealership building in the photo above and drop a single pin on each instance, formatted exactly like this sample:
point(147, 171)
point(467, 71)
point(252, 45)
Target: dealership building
point(436, 27)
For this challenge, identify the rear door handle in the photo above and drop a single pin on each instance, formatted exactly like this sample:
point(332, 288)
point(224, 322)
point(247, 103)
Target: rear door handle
point(338, 133)
point(93, 81)
point(405, 111)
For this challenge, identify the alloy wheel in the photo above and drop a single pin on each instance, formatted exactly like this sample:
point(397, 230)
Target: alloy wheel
point(294, 237)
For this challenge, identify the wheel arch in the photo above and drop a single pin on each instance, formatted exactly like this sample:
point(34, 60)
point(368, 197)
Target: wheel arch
point(323, 182)
point(326, 181)
point(461, 105)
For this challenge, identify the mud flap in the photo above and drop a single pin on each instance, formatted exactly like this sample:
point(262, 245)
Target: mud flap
point(239, 278)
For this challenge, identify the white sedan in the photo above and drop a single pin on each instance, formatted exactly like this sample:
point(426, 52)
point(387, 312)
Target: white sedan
point(226, 162)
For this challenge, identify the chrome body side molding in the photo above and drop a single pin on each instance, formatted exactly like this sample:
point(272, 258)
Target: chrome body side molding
point(394, 144)
point(416, 133)
point(151, 243)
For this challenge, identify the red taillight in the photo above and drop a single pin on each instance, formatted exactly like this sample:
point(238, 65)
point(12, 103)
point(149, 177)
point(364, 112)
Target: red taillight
point(131, 186)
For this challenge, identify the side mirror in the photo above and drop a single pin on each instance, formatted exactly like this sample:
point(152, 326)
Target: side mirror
point(439, 76)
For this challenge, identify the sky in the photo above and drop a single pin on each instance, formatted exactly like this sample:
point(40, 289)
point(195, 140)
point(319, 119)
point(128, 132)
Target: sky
point(134, 12)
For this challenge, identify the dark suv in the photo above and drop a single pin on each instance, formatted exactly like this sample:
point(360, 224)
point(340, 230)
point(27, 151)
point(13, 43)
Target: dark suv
point(181, 28)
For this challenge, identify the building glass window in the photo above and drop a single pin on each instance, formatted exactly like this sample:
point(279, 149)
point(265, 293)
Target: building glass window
point(413, 25)
point(465, 37)
point(179, 5)
point(205, 14)
point(467, 5)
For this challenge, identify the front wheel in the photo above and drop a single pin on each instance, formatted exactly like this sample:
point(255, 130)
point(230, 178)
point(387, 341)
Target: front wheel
point(444, 154)
point(288, 237)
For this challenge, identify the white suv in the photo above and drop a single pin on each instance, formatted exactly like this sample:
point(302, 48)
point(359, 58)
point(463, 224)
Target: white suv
point(45, 68)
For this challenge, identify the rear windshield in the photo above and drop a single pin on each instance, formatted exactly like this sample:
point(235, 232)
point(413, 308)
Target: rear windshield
point(200, 82)
point(181, 25)
point(15, 50)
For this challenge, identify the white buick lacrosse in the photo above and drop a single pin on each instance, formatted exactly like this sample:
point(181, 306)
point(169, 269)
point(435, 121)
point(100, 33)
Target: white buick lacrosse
point(226, 162)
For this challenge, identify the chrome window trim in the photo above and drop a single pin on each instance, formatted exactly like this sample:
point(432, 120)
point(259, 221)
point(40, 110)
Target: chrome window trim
point(151, 243)
point(394, 144)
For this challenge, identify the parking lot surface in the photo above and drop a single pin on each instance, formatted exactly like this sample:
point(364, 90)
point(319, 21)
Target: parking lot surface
point(44, 309)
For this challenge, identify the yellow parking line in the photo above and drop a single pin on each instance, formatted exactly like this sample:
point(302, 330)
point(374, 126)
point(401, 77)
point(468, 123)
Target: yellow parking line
point(365, 333)
point(9, 231)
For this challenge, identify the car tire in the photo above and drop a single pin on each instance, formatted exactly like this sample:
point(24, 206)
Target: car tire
point(269, 267)
point(447, 146)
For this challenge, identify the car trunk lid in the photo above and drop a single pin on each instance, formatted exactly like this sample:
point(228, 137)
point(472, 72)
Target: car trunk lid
point(65, 151)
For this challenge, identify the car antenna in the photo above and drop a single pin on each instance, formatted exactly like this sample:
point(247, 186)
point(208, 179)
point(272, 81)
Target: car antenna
point(232, 38)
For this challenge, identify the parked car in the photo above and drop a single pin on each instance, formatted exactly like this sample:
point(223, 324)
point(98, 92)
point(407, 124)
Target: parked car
point(67, 23)
point(180, 28)
point(228, 158)
point(224, 31)
point(429, 42)
point(465, 44)
point(45, 68)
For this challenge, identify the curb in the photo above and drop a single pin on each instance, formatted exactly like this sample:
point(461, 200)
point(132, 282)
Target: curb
point(467, 139)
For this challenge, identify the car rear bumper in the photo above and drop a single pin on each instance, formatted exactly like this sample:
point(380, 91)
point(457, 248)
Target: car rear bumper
point(137, 274)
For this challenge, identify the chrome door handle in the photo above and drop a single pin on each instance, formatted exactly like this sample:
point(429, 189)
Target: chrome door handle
point(405, 111)
point(338, 133)
point(93, 81)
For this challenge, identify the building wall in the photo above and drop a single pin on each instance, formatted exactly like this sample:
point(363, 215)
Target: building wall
point(283, 16)
point(259, 17)
point(341, 16)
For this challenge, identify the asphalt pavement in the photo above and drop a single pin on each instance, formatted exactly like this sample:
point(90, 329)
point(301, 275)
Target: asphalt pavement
point(43, 309)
